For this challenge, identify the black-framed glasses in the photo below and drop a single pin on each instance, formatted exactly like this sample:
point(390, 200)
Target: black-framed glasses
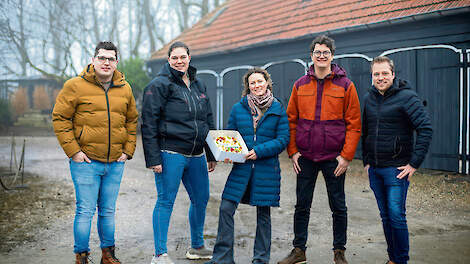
point(103, 59)
point(325, 53)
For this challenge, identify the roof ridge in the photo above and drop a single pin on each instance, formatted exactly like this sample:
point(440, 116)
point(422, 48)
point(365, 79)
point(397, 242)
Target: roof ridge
point(247, 22)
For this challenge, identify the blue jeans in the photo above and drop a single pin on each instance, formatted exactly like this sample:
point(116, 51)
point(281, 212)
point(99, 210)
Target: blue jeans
point(223, 249)
point(96, 184)
point(193, 172)
point(306, 180)
point(390, 193)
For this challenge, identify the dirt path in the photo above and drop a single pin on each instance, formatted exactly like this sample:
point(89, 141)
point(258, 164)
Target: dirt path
point(438, 216)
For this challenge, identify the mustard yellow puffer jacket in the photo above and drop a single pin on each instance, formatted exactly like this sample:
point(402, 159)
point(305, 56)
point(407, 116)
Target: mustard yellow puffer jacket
point(100, 123)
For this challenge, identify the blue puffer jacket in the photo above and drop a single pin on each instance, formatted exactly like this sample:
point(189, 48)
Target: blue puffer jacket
point(258, 182)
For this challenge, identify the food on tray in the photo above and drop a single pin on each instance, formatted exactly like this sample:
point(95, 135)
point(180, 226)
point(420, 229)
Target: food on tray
point(228, 144)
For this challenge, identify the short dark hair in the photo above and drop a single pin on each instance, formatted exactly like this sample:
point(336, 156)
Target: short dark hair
point(383, 59)
point(107, 45)
point(323, 40)
point(246, 84)
point(177, 44)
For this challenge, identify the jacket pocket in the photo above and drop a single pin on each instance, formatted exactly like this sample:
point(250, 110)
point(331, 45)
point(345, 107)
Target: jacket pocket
point(302, 138)
point(335, 133)
point(333, 104)
point(305, 96)
point(81, 135)
point(396, 147)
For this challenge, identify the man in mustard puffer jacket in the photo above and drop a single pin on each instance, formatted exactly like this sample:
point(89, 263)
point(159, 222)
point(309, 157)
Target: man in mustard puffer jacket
point(95, 120)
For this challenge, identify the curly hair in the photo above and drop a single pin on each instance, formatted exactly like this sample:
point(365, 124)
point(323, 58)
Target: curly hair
point(246, 84)
point(323, 40)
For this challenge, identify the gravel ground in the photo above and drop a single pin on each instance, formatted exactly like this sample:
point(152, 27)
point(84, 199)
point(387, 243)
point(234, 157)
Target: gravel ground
point(36, 223)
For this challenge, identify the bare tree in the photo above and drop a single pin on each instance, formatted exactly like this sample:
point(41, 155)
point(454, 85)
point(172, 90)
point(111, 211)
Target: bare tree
point(13, 31)
point(187, 15)
point(56, 38)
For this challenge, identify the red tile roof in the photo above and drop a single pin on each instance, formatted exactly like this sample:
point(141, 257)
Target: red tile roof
point(247, 22)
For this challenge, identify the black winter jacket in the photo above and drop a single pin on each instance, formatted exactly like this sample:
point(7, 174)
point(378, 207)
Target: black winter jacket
point(174, 117)
point(388, 122)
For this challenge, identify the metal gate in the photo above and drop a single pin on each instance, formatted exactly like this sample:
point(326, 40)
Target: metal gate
point(438, 73)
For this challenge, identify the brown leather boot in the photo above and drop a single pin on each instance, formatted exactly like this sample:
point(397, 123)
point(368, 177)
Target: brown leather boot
point(296, 256)
point(339, 257)
point(81, 258)
point(108, 257)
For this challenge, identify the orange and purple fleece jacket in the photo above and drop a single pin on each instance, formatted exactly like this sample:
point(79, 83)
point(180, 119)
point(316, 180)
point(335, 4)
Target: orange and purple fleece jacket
point(324, 116)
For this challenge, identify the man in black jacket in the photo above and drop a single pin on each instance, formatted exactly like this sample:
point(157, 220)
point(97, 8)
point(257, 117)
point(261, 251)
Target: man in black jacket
point(392, 111)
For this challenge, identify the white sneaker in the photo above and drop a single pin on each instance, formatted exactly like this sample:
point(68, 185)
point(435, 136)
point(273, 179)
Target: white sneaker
point(162, 259)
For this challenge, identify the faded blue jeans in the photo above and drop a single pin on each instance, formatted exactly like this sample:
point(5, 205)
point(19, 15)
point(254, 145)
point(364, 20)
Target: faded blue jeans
point(96, 185)
point(223, 249)
point(390, 193)
point(193, 172)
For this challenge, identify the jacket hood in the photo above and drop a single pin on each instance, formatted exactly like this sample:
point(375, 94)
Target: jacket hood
point(336, 72)
point(398, 85)
point(176, 75)
point(89, 74)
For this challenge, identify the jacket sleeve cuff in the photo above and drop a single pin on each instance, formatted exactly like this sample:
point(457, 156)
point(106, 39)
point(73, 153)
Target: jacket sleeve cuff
point(209, 155)
point(415, 164)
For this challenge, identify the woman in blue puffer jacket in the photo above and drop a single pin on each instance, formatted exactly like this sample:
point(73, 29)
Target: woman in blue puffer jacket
point(262, 121)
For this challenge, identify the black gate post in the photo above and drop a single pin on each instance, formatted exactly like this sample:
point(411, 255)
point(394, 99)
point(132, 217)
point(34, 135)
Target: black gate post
point(464, 76)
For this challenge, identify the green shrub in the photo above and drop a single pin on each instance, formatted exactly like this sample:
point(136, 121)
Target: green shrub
point(134, 70)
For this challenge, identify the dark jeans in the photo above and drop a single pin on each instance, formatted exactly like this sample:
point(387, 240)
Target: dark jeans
point(306, 180)
point(390, 193)
point(223, 249)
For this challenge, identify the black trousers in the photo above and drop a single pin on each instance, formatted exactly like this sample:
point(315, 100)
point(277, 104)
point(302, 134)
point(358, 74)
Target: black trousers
point(306, 180)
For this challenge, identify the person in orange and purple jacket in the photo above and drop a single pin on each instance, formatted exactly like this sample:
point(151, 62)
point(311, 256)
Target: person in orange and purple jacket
point(325, 127)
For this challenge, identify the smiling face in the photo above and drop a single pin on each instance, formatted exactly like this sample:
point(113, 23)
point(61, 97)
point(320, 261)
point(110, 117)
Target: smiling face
point(105, 63)
point(322, 56)
point(179, 59)
point(382, 76)
point(257, 84)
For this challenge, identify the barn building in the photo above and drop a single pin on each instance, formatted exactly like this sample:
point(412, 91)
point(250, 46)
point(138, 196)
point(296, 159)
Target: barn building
point(429, 40)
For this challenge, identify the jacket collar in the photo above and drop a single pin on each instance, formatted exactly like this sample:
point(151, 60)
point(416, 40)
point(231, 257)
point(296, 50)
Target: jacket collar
point(176, 75)
point(336, 72)
point(398, 85)
point(89, 75)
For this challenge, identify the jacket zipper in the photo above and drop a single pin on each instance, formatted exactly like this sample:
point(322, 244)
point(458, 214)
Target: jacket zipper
point(189, 103)
point(254, 141)
point(379, 106)
point(254, 135)
point(109, 124)
point(195, 122)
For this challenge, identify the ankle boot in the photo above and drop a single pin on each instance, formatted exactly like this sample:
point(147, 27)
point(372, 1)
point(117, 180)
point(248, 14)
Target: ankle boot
point(108, 257)
point(339, 257)
point(81, 258)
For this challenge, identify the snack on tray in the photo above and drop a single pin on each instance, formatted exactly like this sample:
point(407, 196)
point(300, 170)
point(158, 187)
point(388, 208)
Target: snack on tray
point(228, 144)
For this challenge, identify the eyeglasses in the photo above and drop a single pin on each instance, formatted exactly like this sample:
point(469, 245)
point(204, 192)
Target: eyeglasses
point(325, 53)
point(103, 59)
